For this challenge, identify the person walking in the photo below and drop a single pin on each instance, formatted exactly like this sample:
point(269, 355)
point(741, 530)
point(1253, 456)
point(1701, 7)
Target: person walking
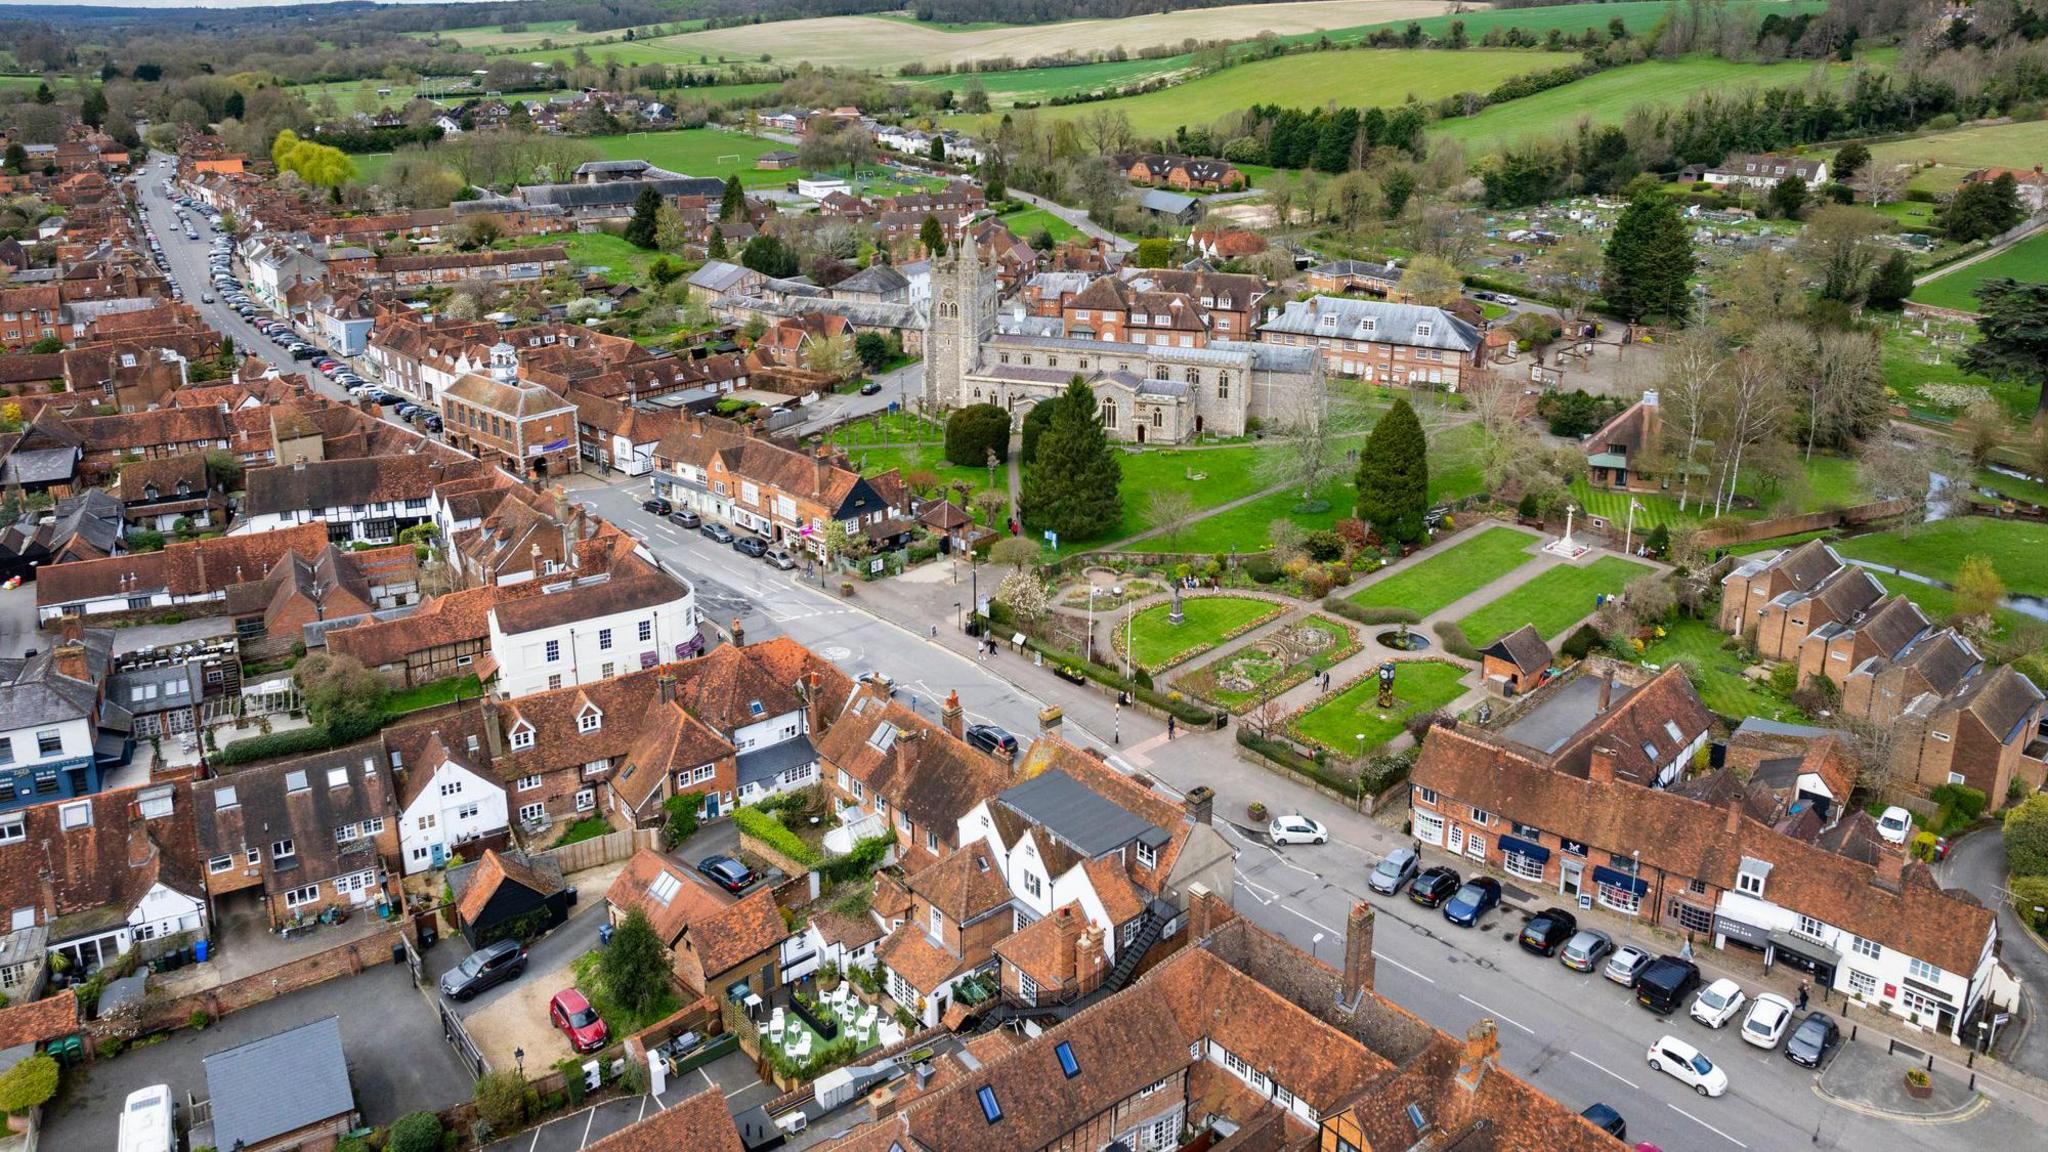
point(1169, 726)
point(1802, 995)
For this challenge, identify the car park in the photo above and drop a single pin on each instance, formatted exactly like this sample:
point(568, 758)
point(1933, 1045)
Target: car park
point(1390, 874)
point(994, 740)
point(727, 872)
point(1584, 951)
point(1297, 829)
point(1769, 1016)
point(1666, 983)
point(750, 546)
point(1627, 966)
point(1812, 1040)
point(1718, 1003)
point(779, 557)
point(657, 505)
point(717, 532)
point(1607, 1120)
point(1434, 886)
point(1687, 1065)
point(1479, 896)
point(578, 1021)
point(488, 966)
point(1547, 931)
point(684, 518)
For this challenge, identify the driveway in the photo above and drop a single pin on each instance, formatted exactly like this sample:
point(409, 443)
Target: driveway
point(1976, 864)
point(396, 1058)
point(899, 387)
point(732, 1075)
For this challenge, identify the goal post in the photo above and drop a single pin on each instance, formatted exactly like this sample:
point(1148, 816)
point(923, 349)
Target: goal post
point(733, 157)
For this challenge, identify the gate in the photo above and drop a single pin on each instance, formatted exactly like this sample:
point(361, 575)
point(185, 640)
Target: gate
point(413, 963)
point(458, 1038)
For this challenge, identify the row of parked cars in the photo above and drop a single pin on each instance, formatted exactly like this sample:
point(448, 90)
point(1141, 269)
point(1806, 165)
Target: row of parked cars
point(745, 543)
point(1660, 984)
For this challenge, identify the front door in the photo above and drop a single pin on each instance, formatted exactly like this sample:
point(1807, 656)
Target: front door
point(711, 806)
point(440, 855)
point(1141, 433)
point(1569, 883)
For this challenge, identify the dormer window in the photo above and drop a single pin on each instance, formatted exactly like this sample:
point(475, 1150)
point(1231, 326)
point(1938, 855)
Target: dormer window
point(522, 736)
point(1750, 876)
point(1422, 329)
point(589, 720)
point(1329, 322)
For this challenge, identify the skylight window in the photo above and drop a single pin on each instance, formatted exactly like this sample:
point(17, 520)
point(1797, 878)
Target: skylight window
point(1068, 1064)
point(224, 798)
point(664, 887)
point(754, 707)
point(989, 1108)
point(295, 781)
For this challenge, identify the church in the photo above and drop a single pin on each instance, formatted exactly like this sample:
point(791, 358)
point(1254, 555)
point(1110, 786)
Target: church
point(1147, 393)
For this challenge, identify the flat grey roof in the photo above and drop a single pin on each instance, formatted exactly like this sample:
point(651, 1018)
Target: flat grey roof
point(1551, 722)
point(768, 763)
point(1080, 816)
point(278, 1084)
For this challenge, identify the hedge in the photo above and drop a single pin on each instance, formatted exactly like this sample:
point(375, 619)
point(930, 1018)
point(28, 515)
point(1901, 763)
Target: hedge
point(860, 863)
point(1340, 606)
point(1283, 753)
point(1186, 711)
point(297, 741)
point(1454, 640)
point(770, 831)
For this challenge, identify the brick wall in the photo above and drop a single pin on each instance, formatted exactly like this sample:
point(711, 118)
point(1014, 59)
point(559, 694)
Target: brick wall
point(343, 960)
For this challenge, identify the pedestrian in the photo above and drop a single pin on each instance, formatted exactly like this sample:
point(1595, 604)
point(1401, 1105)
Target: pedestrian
point(935, 631)
point(1802, 995)
point(1169, 726)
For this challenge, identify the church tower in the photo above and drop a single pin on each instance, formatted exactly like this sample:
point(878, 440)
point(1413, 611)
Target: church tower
point(961, 315)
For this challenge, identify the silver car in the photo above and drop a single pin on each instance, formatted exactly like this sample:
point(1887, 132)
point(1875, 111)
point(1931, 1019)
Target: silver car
point(1627, 966)
point(1584, 951)
point(1394, 872)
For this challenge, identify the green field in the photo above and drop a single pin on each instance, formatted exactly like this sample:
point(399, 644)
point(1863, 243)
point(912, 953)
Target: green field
point(493, 36)
point(1450, 575)
point(370, 166)
point(620, 260)
point(1353, 712)
point(1026, 223)
point(2018, 550)
point(1387, 77)
point(1037, 85)
point(1716, 672)
point(1553, 601)
point(2020, 145)
point(697, 152)
point(1157, 643)
point(1269, 668)
point(1607, 97)
point(2026, 260)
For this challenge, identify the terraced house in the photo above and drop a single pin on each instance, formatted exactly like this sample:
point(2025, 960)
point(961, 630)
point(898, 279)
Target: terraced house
point(1406, 344)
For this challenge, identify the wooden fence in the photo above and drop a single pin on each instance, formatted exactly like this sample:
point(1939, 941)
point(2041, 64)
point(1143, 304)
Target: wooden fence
point(598, 851)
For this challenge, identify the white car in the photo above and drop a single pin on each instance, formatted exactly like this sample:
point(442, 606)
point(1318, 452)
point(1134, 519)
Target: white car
point(1718, 1003)
point(1297, 829)
point(1768, 1018)
point(1895, 825)
point(1686, 1065)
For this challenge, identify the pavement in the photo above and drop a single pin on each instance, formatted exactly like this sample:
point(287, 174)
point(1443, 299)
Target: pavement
point(1871, 1077)
point(1575, 1036)
point(1976, 864)
point(397, 1059)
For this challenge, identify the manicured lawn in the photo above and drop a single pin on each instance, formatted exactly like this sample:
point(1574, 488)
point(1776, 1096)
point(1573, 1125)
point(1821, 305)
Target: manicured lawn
point(1247, 527)
point(1832, 482)
point(1026, 223)
point(1612, 504)
point(1267, 668)
point(2026, 491)
point(1553, 601)
point(698, 152)
point(1454, 463)
point(1157, 643)
point(621, 261)
point(1210, 476)
point(1716, 672)
point(430, 695)
point(2026, 260)
point(370, 166)
point(1338, 722)
point(1450, 574)
point(928, 458)
point(2018, 550)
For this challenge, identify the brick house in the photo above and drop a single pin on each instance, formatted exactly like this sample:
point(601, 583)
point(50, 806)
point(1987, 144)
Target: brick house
point(1516, 663)
point(1338, 277)
point(444, 638)
point(529, 429)
point(1754, 583)
point(888, 767)
point(1836, 649)
point(1980, 736)
point(1622, 453)
point(1785, 621)
point(187, 572)
point(1935, 665)
point(1153, 170)
point(1405, 344)
point(28, 315)
point(299, 836)
point(959, 908)
point(463, 267)
point(717, 946)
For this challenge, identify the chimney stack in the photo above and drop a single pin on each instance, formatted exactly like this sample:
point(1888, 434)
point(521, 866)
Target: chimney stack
point(952, 717)
point(1200, 804)
point(1600, 770)
point(1049, 719)
point(667, 686)
point(1481, 1051)
point(1606, 692)
point(1891, 867)
point(1734, 815)
point(1358, 961)
point(1091, 964)
point(739, 634)
point(492, 736)
point(70, 661)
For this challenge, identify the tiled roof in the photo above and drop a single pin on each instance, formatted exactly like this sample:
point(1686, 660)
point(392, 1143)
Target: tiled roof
point(630, 591)
point(925, 773)
point(690, 903)
point(738, 931)
point(698, 1124)
point(1524, 648)
point(671, 741)
point(39, 1020)
point(964, 886)
point(494, 870)
point(911, 954)
point(442, 620)
point(322, 484)
point(2002, 699)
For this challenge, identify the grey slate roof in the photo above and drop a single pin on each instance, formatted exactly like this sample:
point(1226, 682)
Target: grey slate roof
point(33, 692)
point(38, 465)
point(1088, 821)
point(1171, 203)
point(278, 1084)
point(1377, 321)
point(875, 279)
point(763, 765)
point(717, 276)
point(619, 193)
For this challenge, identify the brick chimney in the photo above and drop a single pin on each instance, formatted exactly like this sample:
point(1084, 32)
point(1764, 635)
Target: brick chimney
point(1199, 804)
point(814, 704)
point(1734, 815)
point(72, 630)
point(1481, 1051)
point(666, 685)
point(492, 735)
point(953, 717)
point(1049, 719)
point(69, 660)
point(1067, 930)
point(1206, 913)
point(1091, 965)
point(1606, 693)
point(1891, 868)
point(739, 634)
point(1600, 769)
point(1358, 961)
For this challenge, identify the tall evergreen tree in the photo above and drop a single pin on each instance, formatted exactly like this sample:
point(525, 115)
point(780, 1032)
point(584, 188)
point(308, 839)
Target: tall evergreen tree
point(236, 106)
point(1070, 486)
point(1892, 284)
point(1649, 258)
point(717, 249)
point(1393, 476)
point(932, 236)
point(2012, 318)
point(733, 204)
point(646, 219)
point(44, 95)
point(92, 107)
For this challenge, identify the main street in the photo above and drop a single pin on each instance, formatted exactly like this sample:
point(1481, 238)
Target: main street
point(1579, 1037)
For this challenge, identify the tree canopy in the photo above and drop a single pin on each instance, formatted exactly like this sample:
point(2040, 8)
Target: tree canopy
point(976, 430)
point(1393, 476)
point(2012, 318)
point(1649, 257)
point(1071, 484)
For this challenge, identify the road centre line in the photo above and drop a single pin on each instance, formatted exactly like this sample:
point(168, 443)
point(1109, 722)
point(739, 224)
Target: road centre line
point(1501, 1015)
point(1404, 968)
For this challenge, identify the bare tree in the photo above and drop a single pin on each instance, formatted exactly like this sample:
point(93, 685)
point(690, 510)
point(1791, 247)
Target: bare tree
point(1852, 388)
point(1107, 131)
point(1506, 440)
point(1881, 183)
point(1873, 749)
point(1312, 454)
point(1756, 410)
point(1689, 393)
point(1170, 509)
point(1572, 274)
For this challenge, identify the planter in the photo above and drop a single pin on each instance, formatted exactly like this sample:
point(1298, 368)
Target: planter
point(1918, 1086)
point(1257, 812)
point(1071, 675)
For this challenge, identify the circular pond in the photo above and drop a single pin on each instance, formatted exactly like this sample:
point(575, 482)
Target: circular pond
point(1401, 641)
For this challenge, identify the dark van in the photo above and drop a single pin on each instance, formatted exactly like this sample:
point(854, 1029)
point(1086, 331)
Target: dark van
point(1666, 983)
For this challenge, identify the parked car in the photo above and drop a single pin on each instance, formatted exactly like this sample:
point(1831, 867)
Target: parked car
point(1685, 1064)
point(684, 518)
point(570, 1012)
point(1480, 895)
point(1769, 1015)
point(1434, 886)
point(149, 1121)
point(1297, 829)
point(750, 546)
point(726, 872)
point(1547, 931)
point(717, 532)
point(993, 740)
point(657, 505)
point(1895, 825)
point(1665, 983)
point(779, 557)
point(881, 680)
point(1813, 1038)
point(1718, 1003)
point(1627, 966)
point(1584, 951)
point(1607, 1120)
point(870, 388)
point(1396, 870)
point(487, 967)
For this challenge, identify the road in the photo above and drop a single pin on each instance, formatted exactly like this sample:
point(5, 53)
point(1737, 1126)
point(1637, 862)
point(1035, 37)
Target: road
point(1976, 864)
point(1075, 216)
point(900, 386)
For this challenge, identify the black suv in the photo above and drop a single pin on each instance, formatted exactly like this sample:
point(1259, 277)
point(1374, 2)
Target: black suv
point(1666, 983)
point(486, 967)
point(1435, 886)
point(1547, 931)
point(992, 740)
point(657, 505)
point(750, 546)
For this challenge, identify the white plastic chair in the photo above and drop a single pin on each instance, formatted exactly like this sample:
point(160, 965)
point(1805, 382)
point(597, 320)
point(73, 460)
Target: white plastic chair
point(775, 1025)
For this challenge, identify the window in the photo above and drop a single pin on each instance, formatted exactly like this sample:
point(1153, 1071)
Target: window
point(1920, 969)
point(938, 922)
point(554, 681)
point(646, 631)
point(590, 720)
point(337, 777)
point(1862, 983)
point(49, 742)
point(1065, 1052)
point(990, 1109)
point(1809, 927)
point(1147, 856)
point(533, 813)
point(373, 825)
point(1750, 876)
point(931, 840)
point(522, 737)
point(282, 850)
point(586, 800)
point(1108, 412)
point(1481, 817)
point(1528, 832)
point(604, 639)
point(295, 781)
point(1862, 947)
point(220, 863)
point(528, 783)
point(346, 834)
point(1425, 795)
point(12, 829)
point(1475, 846)
point(1620, 899)
point(1033, 886)
point(1692, 917)
point(302, 896)
point(553, 651)
point(1526, 867)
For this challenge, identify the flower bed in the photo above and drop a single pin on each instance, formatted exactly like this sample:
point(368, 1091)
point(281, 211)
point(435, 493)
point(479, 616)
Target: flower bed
point(1158, 644)
point(1265, 668)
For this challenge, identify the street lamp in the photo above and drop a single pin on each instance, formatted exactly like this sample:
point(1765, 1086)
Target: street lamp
point(1361, 745)
point(519, 1060)
point(1092, 590)
point(1314, 944)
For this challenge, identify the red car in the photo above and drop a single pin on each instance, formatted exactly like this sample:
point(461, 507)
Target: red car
point(577, 1020)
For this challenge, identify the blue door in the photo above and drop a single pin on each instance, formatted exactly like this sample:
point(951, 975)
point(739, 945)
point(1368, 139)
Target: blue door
point(440, 855)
